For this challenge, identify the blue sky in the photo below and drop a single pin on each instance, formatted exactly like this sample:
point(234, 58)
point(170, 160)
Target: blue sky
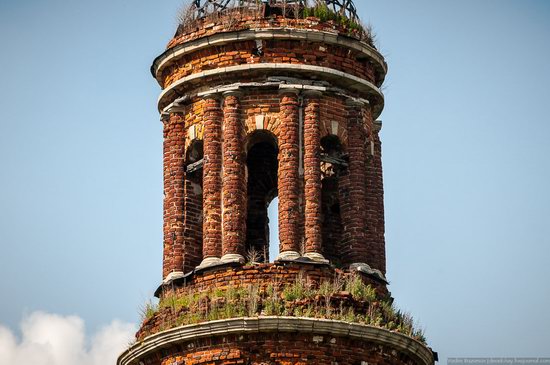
point(466, 165)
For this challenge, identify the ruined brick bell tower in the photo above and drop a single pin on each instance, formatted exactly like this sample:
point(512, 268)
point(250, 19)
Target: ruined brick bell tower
point(266, 99)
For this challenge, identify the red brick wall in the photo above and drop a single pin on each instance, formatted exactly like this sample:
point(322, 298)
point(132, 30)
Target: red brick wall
point(375, 205)
point(231, 21)
point(290, 236)
point(351, 202)
point(174, 161)
point(263, 275)
point(212, 178)
point(233, 179)
point(281, 349)
point(274, 51)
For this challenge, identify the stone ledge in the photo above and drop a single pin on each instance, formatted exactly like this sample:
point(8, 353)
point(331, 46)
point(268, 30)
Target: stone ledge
point(340, 78)
point(421, 354)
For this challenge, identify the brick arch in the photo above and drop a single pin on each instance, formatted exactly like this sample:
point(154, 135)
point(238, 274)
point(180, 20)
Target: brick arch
point(262, 167)
point(195, 132)
point(266, 121)
point(331, 127)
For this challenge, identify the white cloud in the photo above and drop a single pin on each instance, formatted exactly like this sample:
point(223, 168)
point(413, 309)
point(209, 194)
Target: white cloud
point(49, 339)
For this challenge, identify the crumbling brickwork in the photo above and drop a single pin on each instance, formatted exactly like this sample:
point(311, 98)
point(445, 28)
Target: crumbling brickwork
point(260, 102)
point(174, 165)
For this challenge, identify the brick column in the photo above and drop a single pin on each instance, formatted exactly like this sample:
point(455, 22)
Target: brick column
point(312, 177)
point(211, 181)
point(174, 171)
point(376, 191)
point(288, 179)
point(357, 177)
point(234, 181)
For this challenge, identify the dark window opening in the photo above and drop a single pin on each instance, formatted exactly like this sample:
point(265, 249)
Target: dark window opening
point(192, 225)
point(262, 165)
point(334, 164)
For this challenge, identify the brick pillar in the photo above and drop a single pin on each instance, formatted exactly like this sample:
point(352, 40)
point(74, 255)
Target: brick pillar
point(288, 179)
point(234, 182)
point(174, 171)
point(212, 181)
point(376, 191)
point(312, 177)
point(357, 178)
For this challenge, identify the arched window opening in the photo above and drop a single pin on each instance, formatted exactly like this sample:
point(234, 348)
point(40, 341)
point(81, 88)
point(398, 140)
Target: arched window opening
point(192, 226)
point(262, 166)
point(334, 165)
point(273, 219)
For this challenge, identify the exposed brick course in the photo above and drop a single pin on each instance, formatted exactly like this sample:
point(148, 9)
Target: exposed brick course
point(274, 51)
point(283, 348)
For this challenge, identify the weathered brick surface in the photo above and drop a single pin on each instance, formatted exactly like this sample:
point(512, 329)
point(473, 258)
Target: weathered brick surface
point(252, 154)
point(174, 161)
point(357, 178)
point(243, 19)
point(282, 348)
point(233, 179)
point(212, 178)
point(227, 155)
point(289, 185)
point(274, 51)
point(259, 143)
point(263, 275)
point(312, 175)
point(375, 204)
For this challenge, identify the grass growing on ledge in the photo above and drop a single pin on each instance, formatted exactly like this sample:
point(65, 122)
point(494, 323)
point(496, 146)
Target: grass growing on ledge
point(345, 299)
point(189, 20)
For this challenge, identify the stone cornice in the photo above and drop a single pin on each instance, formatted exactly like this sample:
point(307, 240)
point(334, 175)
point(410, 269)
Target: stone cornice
point(173, 54)
point(341, 79)
point(421, 354)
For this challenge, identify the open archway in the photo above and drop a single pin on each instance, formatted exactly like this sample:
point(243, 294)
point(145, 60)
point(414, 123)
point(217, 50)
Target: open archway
point(192, 226)
point(262, 167)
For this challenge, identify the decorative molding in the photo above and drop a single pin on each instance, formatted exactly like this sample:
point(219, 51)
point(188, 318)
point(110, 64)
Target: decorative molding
point(420, 353)
point(349, 81)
